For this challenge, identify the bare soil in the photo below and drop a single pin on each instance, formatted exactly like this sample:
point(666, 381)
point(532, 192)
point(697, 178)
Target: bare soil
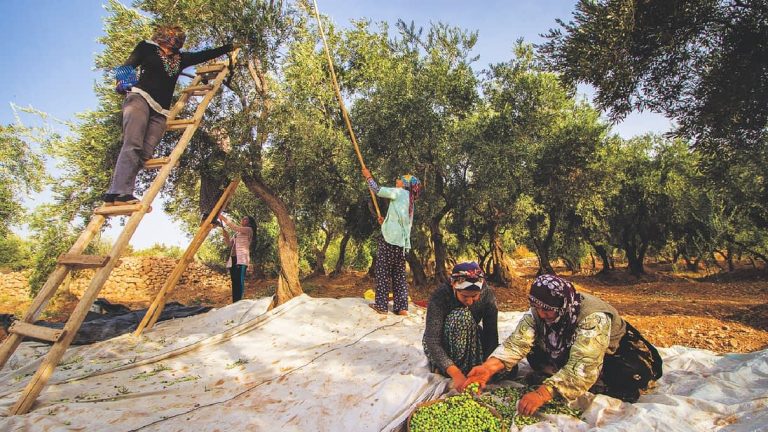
point(723, 313)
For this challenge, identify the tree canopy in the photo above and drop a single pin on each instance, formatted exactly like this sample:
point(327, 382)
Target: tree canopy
point(703, 63)
point(508, 154)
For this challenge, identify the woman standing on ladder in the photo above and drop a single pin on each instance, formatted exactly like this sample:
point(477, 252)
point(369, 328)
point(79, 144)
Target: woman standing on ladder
point(240, 252)
point(147, 102)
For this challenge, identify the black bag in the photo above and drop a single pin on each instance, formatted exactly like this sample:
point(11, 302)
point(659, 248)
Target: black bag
point(634, 364)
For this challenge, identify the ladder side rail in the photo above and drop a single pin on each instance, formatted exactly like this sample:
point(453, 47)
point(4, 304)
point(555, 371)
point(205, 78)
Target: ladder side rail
point(185, 96)
point(186, 137)
point(183, 99)
point(44, 372)
point(151, 316)
point(178, 150)
point(156, 308)
point(173, 158)
point(49, 288)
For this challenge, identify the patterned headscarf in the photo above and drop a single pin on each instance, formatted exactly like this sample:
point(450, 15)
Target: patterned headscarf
point(467, 276)
point(412, 185)
point(170, 36)
point(552, 293)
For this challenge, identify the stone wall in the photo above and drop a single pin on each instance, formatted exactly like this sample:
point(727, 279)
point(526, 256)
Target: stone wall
point(134, 278)
point(15, 281)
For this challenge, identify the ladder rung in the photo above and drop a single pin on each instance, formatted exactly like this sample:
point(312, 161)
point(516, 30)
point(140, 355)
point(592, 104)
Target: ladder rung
point(156, 163)
point(213, 67)
point(179, 124)
point(83, 261)
point(35, 331)
point(204, 88)
point(119, 210)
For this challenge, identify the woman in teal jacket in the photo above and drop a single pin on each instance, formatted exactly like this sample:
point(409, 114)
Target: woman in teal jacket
point(395, 242)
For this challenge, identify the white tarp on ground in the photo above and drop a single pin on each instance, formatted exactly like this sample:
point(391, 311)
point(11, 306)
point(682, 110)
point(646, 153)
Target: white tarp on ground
point(331, 365)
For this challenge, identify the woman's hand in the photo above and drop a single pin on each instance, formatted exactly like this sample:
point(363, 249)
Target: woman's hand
point(479, 374)
point(459, 383)
point(532, 401)
point(457, 377)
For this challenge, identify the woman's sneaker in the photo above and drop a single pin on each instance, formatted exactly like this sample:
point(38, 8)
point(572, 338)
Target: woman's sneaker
point(373, 306)
point(109, 199)
point(126, 199)
point(122, 199)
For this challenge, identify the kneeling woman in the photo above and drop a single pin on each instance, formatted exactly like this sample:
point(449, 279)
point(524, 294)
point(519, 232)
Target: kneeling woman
point(576, 343)
point(454, 341)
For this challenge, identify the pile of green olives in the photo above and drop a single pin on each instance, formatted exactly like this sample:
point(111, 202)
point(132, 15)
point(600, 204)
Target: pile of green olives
point(505, 399)
point(456, 413)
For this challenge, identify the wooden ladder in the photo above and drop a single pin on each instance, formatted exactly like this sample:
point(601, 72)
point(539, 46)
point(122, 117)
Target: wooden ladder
point(157, 306)
point(207, 81)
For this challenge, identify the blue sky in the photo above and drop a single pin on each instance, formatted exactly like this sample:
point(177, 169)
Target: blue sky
point(49, 46)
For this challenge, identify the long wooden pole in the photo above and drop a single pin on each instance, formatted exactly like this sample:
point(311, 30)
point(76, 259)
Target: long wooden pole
point(341, 103)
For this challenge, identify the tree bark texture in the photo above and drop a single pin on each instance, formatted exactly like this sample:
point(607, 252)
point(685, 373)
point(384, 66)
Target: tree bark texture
point(541, 246)
point(635, 258)
point(417, 269)
point(319, 268)
point(441, 274)
point(571, 265)
point(287, 242)
point(603, 254)
point(502, 272)
point(342, 254)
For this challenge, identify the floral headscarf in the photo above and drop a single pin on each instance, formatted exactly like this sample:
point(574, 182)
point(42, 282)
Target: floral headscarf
point(552, 293)
point(170, 36)
point(413, 185)
point(467, 275)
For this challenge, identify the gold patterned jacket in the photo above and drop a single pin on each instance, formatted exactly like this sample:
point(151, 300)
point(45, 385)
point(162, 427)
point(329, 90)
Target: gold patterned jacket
point(594, 338)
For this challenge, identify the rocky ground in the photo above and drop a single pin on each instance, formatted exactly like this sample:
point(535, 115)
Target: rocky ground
point(721, 313)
